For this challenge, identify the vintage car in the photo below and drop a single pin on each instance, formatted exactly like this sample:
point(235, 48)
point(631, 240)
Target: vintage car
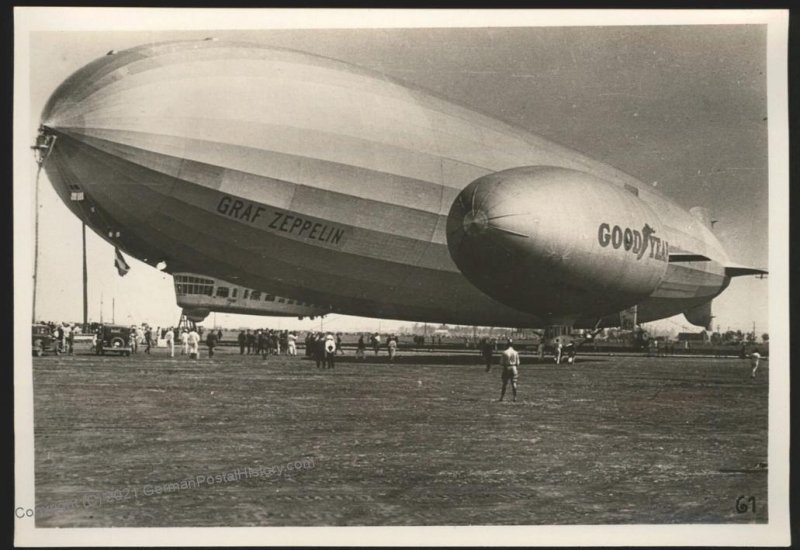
point(42, 340)
point(114, 339)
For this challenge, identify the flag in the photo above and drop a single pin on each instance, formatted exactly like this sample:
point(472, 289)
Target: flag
point(120, 263)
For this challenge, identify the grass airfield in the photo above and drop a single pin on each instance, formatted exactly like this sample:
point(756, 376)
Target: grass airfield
point(422, 441)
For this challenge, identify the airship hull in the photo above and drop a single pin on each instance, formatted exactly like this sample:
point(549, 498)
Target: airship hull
point(309, 178)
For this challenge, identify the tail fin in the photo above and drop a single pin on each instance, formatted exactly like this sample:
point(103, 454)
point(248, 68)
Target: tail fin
point(704, 215)
point(736, 270)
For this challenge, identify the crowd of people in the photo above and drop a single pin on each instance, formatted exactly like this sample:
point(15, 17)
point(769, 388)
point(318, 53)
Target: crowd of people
point(322, 347)
point(266, 342)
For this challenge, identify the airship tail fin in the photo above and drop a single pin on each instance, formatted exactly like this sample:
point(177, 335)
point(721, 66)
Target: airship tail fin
point(704, 215)
point(736, 270)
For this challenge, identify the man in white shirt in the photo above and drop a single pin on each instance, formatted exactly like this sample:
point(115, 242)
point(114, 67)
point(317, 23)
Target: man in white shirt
point(193, 341)
point(755, 357)
point(170, 337)
point(184, 342)
point(509, 360)
point(292, 343)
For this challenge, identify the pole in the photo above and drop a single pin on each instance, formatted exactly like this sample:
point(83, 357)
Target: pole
point(101, 308)
point(85, 286)
point(113, 300)
point(36, 244)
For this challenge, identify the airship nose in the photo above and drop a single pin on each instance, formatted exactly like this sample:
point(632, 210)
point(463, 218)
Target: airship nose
point(475, 222)
point(534, 237)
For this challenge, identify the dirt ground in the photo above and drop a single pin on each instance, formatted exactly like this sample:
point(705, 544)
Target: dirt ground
point(422, 441)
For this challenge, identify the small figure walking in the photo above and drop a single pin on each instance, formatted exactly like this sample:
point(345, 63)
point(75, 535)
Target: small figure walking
point(755, 357)
point(211, 342)
point(509, 359)
point(361, 348)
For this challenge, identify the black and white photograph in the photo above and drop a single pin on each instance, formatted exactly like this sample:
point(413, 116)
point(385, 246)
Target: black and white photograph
point(380, 277)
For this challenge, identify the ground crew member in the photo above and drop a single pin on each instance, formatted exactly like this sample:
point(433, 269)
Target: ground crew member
point(330, 351)
point(318, 346)
point(509, 359)
point(755, 357)
point(193, 341)
point(184, 342)
point(211, 342)
point(134, 340)
point(170, 337)
point(71, 338)
point(292, 344)
point(339, 349)
point(559, 350)
point(250, 339)
point(570, 350)
point(242, 340)
point(147, 340)
point(361, 348)
point(263, 346)
point(376, 342)
point(486, 351)
point(392, 345)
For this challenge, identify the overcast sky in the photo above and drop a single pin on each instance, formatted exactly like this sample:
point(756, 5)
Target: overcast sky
point(682, 108)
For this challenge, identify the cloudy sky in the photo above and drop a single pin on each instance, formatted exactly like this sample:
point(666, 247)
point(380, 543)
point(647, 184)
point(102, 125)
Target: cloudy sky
point(683, 108)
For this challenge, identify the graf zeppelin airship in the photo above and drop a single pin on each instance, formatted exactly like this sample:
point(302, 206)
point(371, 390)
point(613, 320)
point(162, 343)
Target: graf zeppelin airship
point(314, 179)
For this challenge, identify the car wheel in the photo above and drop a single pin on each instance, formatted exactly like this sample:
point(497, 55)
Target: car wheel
point(117, 342)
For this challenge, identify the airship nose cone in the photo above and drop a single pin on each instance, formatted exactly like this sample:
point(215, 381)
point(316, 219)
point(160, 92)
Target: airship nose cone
point(475, 222)
point(534, 237)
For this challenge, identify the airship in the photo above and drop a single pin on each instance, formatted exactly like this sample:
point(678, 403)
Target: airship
point(321, 181)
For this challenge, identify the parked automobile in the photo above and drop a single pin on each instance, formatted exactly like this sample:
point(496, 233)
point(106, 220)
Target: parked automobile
point(113, 339)
point(42, 340)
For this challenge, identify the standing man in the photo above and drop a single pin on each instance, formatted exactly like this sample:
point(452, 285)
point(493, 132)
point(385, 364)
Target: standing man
point(755, 357)
point(509, 359)
point(250, 340)
point(559, 351)
point(71, 338)
point(376, 342)
point(139, 336)
point(193, 341)
point(263, 347)
point(392, 345)
point(339, 349)
point(134, 339)
point(362, 347)
point(486, 351)
point(170, 337)
point(211, 342)
point(330, 351)
point(319, 350)
point(242, 340)
point(147, 339)
point(184, 342)
point(292, 338)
